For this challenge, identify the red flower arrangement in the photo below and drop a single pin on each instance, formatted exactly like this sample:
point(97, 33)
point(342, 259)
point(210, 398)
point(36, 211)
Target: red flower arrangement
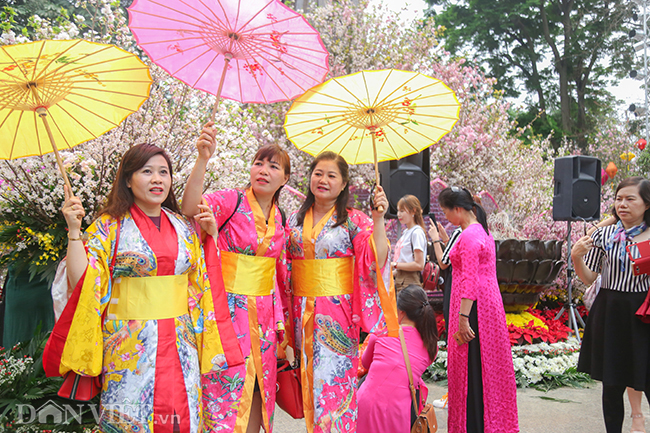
point(557, 330)
point(530, 333)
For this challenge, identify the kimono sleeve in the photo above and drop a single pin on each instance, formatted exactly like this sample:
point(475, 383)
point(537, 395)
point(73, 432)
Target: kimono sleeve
point(211, 349)
point(373, 304)
point(76, 342)
point(469, 248)
point(60, 289)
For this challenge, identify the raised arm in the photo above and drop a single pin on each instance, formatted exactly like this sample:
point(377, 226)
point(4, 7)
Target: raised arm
point(205, 147)
point(77, 261)
point(435, 233)
point(578, 252)
point(379, 230)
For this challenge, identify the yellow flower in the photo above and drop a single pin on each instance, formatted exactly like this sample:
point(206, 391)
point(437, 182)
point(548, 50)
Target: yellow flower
point(521, 320)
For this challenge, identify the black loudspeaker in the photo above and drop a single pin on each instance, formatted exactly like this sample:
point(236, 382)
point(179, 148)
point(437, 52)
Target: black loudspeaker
point(404, 176)
point(576, 195)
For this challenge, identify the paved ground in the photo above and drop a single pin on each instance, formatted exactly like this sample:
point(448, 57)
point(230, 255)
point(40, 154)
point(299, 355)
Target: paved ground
point(571, 410)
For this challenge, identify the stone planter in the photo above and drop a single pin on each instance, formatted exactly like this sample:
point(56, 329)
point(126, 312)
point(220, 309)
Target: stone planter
point(525, 268)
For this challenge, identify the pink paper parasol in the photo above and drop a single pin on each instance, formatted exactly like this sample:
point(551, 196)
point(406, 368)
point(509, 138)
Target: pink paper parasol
point(246, 50)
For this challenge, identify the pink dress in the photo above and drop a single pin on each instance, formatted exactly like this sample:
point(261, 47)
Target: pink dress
point(474, 277)
point(384, 399)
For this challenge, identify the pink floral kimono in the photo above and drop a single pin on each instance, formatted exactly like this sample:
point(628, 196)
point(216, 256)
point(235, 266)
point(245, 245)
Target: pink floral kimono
point(251, 258)
point(329, 317)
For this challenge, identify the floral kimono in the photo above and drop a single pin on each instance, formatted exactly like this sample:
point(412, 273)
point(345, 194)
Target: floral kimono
point(149, 329)
point(251, 258)
point(328, 317)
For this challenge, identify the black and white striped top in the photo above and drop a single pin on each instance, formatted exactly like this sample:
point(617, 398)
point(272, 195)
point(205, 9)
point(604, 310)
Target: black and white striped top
point(609, 265)
point(452, 240)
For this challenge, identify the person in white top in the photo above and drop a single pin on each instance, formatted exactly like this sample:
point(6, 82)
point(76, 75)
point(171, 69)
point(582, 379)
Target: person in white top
point(411, 246)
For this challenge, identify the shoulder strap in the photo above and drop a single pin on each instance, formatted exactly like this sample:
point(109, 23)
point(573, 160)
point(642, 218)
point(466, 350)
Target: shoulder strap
point(239, 199)
point(283, 215)
point(407, 361)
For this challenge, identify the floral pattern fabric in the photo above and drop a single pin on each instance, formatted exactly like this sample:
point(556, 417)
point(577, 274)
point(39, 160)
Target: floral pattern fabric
point(227, 395)
point(338, 319)
point(474, 277)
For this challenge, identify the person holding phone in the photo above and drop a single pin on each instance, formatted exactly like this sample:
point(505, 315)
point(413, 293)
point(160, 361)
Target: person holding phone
point(411, 247)
point(616, 344)
point(482, 387)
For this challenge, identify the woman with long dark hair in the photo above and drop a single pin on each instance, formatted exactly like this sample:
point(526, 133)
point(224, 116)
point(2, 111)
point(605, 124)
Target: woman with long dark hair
point(482, 387)
point(410, 250)
point(384, 397)
point(616, 344)
point(252, 264)
point(340, 286)
point(141, 313)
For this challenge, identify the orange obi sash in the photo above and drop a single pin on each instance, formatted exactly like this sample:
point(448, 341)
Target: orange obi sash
point(324, 277)
point(247, 275)
point(148, 298)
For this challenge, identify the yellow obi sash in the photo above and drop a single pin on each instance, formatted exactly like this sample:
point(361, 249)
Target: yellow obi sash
point(247, 275)
point(148, 298)
point(324, 277)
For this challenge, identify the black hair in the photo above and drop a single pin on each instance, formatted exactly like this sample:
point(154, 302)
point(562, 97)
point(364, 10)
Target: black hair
point(341, 201)
point(453, 197)
point(413, 301)
point(644, 191)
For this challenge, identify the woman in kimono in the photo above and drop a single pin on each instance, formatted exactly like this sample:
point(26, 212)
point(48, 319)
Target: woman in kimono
point(141, 312)
point(251, 258)
point(340, 286)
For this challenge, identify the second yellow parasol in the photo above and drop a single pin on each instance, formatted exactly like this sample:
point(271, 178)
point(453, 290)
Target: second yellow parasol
point(372, 116)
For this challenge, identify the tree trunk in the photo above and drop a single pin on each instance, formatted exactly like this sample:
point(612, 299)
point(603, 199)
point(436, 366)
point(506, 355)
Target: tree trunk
point(561, 65)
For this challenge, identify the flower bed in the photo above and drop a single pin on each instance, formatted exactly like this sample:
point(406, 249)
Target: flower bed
point(542, 366)
point(534, 326)
point(530, 326)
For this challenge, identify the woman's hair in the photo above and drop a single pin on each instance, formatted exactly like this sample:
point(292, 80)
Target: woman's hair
point(644, 191)
point(121, 198)
point(341, 200)
point(411, 204)
point(453, 197)
point(273, 152)
point(413, 301)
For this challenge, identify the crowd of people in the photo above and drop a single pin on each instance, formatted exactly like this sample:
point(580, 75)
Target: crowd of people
point(185, 310)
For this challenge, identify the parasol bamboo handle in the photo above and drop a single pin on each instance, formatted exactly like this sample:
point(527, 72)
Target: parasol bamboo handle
point(374, 151)
point(42, 112)
point(226, 62)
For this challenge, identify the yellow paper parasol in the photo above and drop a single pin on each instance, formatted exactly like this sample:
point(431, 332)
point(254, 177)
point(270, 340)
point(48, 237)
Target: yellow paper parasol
point(372, 116)
point(82, 89)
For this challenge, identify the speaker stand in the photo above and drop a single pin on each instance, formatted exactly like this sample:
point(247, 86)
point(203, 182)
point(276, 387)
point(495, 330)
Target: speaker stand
point(570, 306)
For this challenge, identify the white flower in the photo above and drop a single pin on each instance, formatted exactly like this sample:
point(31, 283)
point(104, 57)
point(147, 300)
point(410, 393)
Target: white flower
point(8, 38)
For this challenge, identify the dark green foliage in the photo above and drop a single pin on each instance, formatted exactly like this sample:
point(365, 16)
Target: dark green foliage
point(561, 54)
point(32, 387)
